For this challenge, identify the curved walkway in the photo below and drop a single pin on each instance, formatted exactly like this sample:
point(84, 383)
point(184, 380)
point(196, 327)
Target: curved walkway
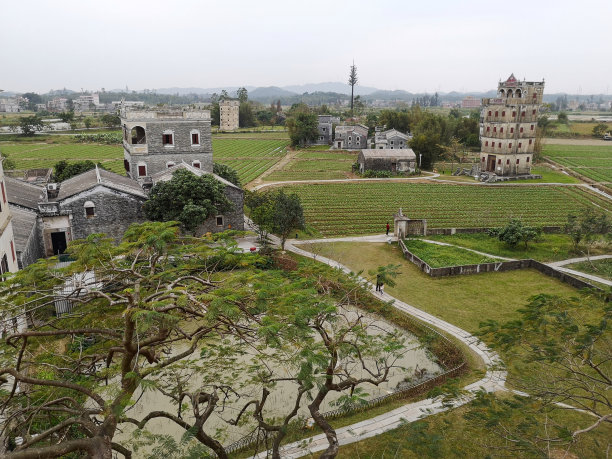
point(494, 379)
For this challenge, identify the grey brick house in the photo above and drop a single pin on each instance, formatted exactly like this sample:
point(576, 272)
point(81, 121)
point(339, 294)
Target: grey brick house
point(326, 126)
point(353, 137)
point(391, 139)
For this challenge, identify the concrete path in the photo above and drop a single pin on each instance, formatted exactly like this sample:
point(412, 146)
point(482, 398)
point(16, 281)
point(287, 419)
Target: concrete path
point(558, 265)
point(494, 379)
point(570, 261)
point(573, 272)
point(388, 180)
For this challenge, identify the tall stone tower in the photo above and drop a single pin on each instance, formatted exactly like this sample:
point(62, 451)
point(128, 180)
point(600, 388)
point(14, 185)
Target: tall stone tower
point(155, 140)
point(229, 115)
point(508, 127)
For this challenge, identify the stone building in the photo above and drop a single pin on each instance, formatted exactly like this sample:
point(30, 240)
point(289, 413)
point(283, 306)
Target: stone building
point(229, 111)
point(155, 140)
point(8, 254)
point(508, 128)
point(326, 126)
point(391, 139)
point(233, 219)
point(353, 137)
point(374, 159)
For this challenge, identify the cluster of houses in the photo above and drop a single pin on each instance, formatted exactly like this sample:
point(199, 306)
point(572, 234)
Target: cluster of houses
point(387, 150)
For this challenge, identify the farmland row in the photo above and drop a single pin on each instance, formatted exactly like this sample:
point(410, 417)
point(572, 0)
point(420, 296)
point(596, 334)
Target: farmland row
point(339, 209)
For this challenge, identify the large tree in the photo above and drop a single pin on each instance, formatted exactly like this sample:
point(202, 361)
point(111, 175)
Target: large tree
point(187, 198)
point(303, 127)
point(30, 125)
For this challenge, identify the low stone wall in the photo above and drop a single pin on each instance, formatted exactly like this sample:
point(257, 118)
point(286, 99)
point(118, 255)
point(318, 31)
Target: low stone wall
point(450, 231)
point(501, 266)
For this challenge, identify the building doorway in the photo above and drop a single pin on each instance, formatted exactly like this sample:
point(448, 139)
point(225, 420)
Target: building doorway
point(339, 144)
point(491, 163)
point(58, 242)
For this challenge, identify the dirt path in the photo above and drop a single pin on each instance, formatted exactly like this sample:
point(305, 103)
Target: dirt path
point(577, 142)
point(256, 184)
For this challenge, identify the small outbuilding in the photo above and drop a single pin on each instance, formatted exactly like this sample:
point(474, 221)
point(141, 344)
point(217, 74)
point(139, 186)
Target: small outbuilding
point(402, 160)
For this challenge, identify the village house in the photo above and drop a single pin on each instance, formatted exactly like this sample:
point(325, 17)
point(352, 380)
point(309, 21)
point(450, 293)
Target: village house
point(325, 127)
point(354, 137)
point(391, 139)
point(8, 255)
point(508, 128)
point(390, 160)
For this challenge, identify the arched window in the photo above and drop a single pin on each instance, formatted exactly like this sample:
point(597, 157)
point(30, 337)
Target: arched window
point(138, 135)
point(510, 93)
point(170, 164)
point(90, 209)
point(502, 92)
point(197, 164)
point(518, 93)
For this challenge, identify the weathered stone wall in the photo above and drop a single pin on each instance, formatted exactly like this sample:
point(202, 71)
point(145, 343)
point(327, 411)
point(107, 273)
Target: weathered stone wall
point(233, 219)
point(159, 162)
point(385, 164)
point(114, 212)
point(33, 250)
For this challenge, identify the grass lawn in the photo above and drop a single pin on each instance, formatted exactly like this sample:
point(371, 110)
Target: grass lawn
point(594, 162)
point(551, 176)
point(438, 256)
point(601, 268)
point(550, 247)
point(455, 437)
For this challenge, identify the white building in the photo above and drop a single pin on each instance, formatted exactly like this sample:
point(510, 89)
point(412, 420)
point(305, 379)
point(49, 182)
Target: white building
point(86, 102)
point(229, 115)
point(8, 255)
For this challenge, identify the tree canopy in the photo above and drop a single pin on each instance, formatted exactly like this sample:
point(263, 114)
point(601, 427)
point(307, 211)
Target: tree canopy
point(303, 127)
point(187, 198)
point(63, 170)
point(226, 172)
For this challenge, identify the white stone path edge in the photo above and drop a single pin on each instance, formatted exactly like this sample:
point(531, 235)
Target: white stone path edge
point(494, 380)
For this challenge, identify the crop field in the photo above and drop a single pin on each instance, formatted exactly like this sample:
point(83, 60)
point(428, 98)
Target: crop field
point(594, 162)
point(439, 256)
point(249, 157)
point(316, 165)
point(363, 208)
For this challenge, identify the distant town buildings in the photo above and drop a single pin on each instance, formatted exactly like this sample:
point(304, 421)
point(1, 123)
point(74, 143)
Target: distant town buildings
point(87, 102)
point(470, 102)
point(229, 115)
point(326, 123)
point(508, 128)
point(57, 105)
point(354, 137)
point(11, 104)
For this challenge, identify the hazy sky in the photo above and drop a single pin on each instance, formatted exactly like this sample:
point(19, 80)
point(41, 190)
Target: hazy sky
point(424, 45)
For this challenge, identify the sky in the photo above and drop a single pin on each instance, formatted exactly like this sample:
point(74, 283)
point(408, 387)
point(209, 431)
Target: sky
point(418, 46)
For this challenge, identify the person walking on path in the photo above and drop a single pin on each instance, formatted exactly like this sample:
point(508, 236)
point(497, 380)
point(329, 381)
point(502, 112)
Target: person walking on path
point(388, 228)
point(378, 283)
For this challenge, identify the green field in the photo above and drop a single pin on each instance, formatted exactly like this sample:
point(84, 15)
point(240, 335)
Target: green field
point(594, 162)
point(365, 207)
point(439, 256)
point(250, 157)
point(316, 165)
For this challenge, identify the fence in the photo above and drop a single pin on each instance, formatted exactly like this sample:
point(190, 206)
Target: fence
point(500, 266)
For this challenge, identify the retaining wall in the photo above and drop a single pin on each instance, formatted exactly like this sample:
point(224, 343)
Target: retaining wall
point(501, 266)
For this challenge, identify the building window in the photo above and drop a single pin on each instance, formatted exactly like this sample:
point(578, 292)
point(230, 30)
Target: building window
point(496, 113)
point(523, 114)
point(507, 162)
point(530, 141)
point(520, 145)
point(501, 129)
point(219, 220)
point(511, 130)
point(532, 127)
point(167, 139)
point(126, 164)
point(514, 114)
point(392, 142)
point(13, 251)
point(90, 209)
point(489, 112)
point(170, 164)
point(195, 138)
point(196, 164)
point(518, 161)
point(535, 95)
point(142, 170)
point(499, 145)
point(509, 145)
point(486, 144)
point(533, 113)
point(488, 128)
point(3, 192)
point(521, 130)
point(483, 159)
point(499, 161)
point(503, 113)
point(527, 158)
point(495, 129)
point(324, 129)
point(349, 138)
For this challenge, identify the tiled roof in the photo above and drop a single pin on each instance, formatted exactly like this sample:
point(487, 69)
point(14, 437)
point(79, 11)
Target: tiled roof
point(23, 224)
point(95, 177)
point(23, 194)
point(166, 175)
point(405, 154)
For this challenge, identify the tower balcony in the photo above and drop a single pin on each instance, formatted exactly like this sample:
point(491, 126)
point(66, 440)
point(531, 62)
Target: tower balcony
point(136, 149)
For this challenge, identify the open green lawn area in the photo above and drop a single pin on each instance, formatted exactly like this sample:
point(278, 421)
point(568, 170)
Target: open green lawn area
point(249, 156)
point(439, 256)
point(594, 162)
point(454, 437)
point(316, 165)
point(601, 268)
point(364, 208)
point(465, 301)
point(549, 247)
